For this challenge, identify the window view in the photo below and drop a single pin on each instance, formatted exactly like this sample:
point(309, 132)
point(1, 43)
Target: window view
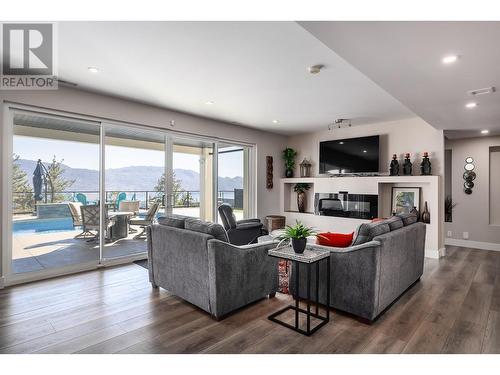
point(57, 203)
point(232, 179)
point(55, 174)
point(192, 179)
point(135, 188)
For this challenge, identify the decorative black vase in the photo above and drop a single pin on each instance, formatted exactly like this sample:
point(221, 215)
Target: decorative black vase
point(426, 216)
point(425, 166)
point(394, 168)
point(407, 165)
point(299, 244)
point(289, 173)
point(301, 201)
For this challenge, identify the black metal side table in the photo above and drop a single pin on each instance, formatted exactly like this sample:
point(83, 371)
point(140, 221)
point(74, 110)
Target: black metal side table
point(311, 257)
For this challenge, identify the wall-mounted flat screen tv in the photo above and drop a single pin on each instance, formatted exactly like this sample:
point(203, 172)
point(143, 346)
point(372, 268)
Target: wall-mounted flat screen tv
point(352, 155)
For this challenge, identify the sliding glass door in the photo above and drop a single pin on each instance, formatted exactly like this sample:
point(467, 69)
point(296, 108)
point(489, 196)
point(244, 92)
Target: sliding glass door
point(55, 173)
point(233, 182)
point(83, 192)
point(192, 178)
point(135, 187)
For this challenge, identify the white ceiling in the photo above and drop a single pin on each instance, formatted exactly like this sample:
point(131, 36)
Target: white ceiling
point(404, 58)
point(254, 72)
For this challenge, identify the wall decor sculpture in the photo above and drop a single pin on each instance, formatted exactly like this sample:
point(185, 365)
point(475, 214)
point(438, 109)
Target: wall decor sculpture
point(469, 175)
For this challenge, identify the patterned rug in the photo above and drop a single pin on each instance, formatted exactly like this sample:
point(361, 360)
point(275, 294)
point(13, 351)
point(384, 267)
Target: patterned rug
point(283, 269)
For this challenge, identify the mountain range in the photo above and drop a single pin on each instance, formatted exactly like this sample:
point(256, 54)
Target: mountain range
point(140, 178)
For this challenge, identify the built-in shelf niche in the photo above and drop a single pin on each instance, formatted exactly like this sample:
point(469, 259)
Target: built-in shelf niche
point(290, 197)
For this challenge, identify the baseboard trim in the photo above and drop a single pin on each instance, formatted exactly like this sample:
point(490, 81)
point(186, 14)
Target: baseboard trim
point(435, 253)
point(472, 244)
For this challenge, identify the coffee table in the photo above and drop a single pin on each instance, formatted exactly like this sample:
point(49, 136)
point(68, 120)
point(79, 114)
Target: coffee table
point(310, 258)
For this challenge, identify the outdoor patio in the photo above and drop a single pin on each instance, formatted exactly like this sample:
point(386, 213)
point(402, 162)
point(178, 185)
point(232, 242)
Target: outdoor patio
point(54, 249)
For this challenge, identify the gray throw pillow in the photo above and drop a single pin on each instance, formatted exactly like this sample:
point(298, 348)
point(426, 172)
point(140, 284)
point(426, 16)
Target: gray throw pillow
point(367, 231)
point(215, 230)
point(394, 222)
point(176, 221)
point(408, 218)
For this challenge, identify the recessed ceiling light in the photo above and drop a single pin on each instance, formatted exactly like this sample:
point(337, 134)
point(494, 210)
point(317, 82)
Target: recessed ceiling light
point(365, 151)
point(485, 131)
point(93, 69)
point(450, 59)
point(275, 121)
point(315, 69)
point(471, 105)
point(341, 143)
point(210, 102)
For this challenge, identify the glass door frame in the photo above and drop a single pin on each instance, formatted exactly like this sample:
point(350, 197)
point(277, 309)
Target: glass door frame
point(9, 109)
point(10, 278)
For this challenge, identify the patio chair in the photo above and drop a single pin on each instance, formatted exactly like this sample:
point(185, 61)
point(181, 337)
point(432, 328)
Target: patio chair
point(82, 198)
point(75, 210)
point(91, 221)
point(147, 220)
point(121, 197)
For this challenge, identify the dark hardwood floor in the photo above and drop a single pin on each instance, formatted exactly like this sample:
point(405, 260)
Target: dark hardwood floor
point(455, 308)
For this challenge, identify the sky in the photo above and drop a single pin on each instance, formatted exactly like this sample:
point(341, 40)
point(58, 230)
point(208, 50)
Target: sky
point(86, 155)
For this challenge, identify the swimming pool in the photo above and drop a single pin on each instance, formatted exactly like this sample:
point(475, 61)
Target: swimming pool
point(42, 225)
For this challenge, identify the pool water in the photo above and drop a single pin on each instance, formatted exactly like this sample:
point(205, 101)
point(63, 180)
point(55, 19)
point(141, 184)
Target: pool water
point(42, 225)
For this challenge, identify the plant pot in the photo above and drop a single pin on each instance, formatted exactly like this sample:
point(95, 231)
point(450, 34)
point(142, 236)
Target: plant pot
point(299, 245)
point(301, 201)
point(288, 173)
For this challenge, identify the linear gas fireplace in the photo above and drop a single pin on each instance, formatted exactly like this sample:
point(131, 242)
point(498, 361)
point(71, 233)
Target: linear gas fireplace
point(343, 204)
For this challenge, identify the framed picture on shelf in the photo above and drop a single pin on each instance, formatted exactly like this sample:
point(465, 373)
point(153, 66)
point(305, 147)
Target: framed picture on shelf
point(404, 199)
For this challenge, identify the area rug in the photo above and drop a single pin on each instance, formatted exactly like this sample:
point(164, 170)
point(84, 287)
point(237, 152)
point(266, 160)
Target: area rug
point(283, 269)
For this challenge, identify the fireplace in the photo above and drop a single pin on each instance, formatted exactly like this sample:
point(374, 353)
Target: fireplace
point(343, 204)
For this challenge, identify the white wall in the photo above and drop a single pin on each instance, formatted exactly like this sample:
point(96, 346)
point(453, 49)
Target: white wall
point(113, 108)
point(472, 213)
point(397, 137)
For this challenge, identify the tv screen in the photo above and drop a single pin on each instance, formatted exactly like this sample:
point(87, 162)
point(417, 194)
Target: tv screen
point(353, 155)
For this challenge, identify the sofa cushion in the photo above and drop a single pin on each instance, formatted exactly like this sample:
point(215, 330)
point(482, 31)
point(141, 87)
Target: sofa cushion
point(367, 231)
point(408, 218)
point(394, 222)
point(334, 239)
point(176, 221)
point(213, 229)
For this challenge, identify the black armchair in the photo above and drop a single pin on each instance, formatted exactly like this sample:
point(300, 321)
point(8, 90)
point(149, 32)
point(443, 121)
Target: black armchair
point(240, 232)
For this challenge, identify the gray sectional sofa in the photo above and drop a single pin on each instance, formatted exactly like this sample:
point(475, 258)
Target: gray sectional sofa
point(386, 258)
point(193, 260)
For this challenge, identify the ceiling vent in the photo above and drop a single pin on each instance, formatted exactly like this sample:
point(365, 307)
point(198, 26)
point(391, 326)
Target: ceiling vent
point(487, 90)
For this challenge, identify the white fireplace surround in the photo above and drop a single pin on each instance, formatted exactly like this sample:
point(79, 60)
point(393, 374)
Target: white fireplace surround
point(431, 192)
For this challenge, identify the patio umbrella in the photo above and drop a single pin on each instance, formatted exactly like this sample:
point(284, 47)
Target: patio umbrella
point(38, 181)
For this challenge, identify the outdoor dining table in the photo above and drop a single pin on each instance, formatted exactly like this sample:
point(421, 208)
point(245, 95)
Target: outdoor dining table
point(120, 228)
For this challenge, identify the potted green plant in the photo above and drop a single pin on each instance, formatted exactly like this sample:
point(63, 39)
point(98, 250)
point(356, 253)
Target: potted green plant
point(289, 155)
point(301, 189)
point(297, 235)
point(449, 205)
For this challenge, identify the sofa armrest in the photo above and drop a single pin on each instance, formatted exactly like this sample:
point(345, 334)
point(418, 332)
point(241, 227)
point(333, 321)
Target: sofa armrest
point(349, 249)
point(248, 221)
point(239, 275)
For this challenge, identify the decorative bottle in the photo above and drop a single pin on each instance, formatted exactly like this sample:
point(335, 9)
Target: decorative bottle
point(394, 168)
point(425, 166)
point(407, 165)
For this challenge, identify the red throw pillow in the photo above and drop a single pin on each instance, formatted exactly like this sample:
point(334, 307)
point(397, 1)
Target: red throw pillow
point(334, 239)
